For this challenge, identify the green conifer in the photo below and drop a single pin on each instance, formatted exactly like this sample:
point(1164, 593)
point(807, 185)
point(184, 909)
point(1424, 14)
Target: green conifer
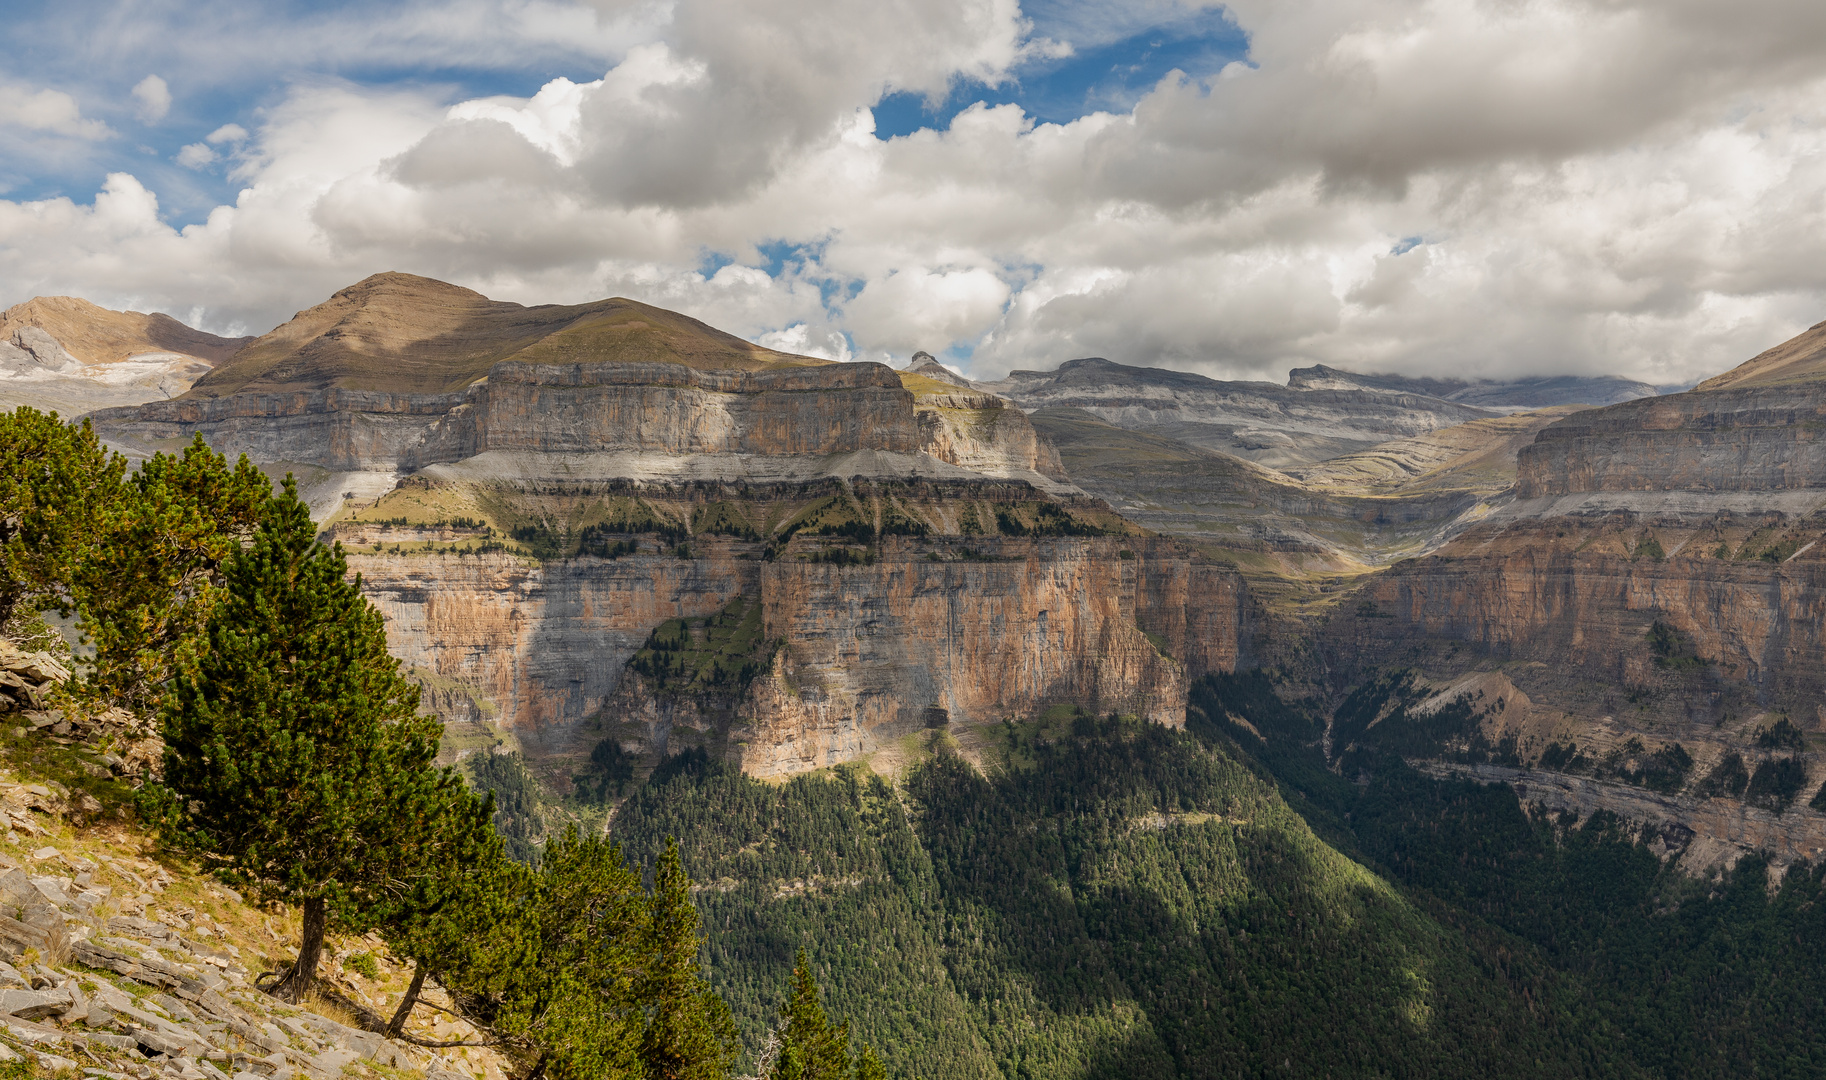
point(811, 1047)
point(53, 478)
point(145, 587)
point(296, 764)
point(689, 1033)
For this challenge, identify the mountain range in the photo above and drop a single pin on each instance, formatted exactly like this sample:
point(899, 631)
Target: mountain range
point(1100, 702)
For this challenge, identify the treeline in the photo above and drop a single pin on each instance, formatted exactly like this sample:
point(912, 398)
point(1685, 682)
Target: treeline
point(298, 769)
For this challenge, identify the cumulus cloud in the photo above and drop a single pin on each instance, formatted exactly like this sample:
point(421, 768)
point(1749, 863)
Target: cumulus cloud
point(195, 156)
point(151, 99)
point(1430, 186)
point(51, 111)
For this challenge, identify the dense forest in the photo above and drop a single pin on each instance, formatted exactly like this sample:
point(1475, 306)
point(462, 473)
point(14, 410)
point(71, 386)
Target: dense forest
point(1691, 978)
point(1122, 900)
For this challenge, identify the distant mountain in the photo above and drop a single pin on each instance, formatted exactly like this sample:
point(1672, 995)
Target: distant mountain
point(1263, 422)
point(67, 354)
point(407, 334)
point(1506, 395)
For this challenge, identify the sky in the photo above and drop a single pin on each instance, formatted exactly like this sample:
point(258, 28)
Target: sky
point(1474, 188)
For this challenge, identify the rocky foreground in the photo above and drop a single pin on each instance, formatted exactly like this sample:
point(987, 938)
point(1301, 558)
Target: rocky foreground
point(118, 961)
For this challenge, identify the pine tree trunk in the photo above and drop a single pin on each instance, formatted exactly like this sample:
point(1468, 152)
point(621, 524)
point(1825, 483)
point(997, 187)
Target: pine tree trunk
point(398, 1024)
point(303, 975)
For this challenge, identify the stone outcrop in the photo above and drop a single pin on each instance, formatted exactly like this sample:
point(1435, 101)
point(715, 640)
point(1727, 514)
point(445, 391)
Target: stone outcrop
point(1751, 439)
point(1275, 425)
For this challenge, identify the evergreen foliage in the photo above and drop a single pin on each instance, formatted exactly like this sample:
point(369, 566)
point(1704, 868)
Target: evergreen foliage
point(145, 589)
point(1682, 978)
point(54, 478)
point(588, 975)
point(1125, 901)
point(296, 764)
point(810, 1046)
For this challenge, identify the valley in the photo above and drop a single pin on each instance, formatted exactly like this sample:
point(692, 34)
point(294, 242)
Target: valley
point(1102, 721)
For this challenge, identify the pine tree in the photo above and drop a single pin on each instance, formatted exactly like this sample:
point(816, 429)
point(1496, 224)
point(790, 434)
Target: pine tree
point(564, 985)
point(689, 1033)
point(811, 1047)
point(146, 585)
point(296, 764)
point(54, 478)
point(458, 918)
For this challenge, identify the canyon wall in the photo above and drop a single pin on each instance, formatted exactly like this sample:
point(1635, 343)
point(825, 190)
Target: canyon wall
point(642, 408)
point(1755, 439)
point(933, 632)
point(1657, 581)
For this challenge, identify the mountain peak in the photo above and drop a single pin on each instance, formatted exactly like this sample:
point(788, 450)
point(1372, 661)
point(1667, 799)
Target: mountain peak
point(404, 333)
point(93, 334)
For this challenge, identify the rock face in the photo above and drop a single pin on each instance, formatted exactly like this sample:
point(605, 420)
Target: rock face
point(656, 409)
point(969, 631)
point(1658, 578)
point(1748, 439)
point(1274, 425)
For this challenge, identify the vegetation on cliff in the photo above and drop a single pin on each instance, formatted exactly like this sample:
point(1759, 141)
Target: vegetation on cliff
point(1684, 977)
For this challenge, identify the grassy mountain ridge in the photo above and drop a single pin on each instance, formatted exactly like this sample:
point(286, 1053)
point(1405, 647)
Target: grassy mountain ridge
point(407, 334)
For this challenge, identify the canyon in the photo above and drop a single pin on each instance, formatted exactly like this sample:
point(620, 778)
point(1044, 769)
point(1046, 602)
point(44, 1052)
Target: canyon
point(1654, 581)
point(610, 522)
point(534, 496)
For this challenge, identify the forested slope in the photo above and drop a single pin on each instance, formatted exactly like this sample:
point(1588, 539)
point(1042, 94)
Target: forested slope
point(1121, 900)
point(1724, 976)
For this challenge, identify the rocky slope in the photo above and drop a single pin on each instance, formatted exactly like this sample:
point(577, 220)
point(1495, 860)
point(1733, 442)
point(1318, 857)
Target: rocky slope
point(1273, 425)
point(120, 961)
point(1656, 583)
point(1501, 395)
point(63, 353)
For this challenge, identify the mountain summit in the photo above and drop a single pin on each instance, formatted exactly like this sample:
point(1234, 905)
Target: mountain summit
point(408, 334)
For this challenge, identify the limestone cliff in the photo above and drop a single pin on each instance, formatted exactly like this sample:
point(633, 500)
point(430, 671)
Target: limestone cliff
point(854, 646)
point(1655, 588)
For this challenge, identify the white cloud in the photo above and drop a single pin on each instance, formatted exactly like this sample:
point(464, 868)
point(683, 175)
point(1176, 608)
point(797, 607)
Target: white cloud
point(1597, 185)
point(152, 99)
point(195, 156)
point(51, 111)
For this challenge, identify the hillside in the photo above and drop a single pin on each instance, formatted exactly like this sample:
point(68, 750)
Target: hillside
point(405, 334)
point(1801, 358)
point(1505, 395)
point(118, 959)
point(1269, 424)
point(95, 335)
point(65, 354)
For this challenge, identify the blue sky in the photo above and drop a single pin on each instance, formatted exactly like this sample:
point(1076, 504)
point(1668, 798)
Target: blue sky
point(1111, 66)
point(228, 63)
point(1429, 186)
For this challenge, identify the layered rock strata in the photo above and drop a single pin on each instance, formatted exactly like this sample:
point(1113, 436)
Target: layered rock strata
point(931, 631)
point(1656, 582)
point(665, 410)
